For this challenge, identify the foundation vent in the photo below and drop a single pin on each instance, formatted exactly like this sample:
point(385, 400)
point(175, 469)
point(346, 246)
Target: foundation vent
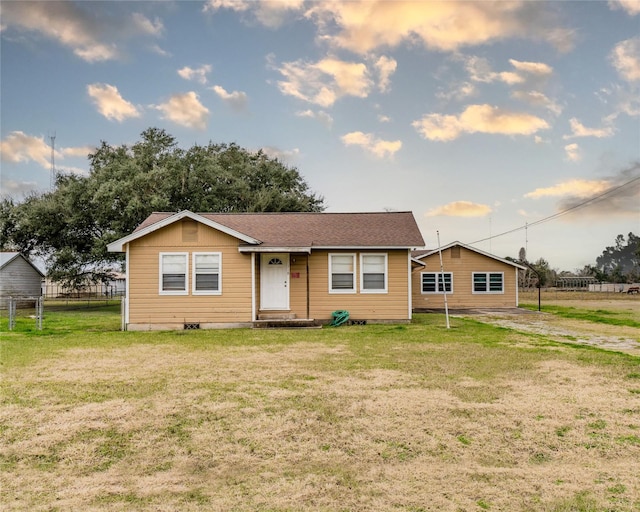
point(191, 327)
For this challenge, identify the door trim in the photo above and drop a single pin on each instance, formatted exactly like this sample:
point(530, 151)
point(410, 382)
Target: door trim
point(286, 265)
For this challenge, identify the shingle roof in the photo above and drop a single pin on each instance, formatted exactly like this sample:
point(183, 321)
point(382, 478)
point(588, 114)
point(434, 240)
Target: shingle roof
point(421, 254)
point(380, 229)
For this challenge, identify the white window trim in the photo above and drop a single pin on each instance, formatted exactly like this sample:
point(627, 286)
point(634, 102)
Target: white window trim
point(438, 291)
point(363, 255)
point(186, 274)
point(342, 290)
point(487, 292)
point(193, 274)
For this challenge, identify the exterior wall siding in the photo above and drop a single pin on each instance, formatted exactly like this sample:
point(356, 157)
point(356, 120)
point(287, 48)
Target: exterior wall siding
point(298, 285)
point(19, 279)
point(392, 305)
point(462, 269)
point(309, 295)
point(147, 306)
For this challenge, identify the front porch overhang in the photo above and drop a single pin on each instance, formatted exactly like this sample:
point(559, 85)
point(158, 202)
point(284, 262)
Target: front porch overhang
point(251, 248)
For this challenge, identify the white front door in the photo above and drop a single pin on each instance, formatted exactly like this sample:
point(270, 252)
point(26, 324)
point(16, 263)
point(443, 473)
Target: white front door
point(274, 281)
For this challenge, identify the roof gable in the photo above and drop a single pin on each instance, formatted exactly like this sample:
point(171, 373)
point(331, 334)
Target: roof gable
point(420, 255)
point(7, 257)
point(159, 220)
point(262, 231)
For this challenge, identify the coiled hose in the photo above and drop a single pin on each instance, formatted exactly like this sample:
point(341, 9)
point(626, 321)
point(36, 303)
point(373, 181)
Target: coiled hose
point(339, 317)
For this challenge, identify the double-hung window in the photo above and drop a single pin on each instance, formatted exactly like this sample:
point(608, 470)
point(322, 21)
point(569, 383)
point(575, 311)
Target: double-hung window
point(437, 282)
point(173, 273)
point(373, 273)
point(342, 273)
point(206, 273)
point(488, 282)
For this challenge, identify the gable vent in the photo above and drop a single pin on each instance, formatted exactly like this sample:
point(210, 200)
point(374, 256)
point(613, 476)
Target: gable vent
point(189, 230)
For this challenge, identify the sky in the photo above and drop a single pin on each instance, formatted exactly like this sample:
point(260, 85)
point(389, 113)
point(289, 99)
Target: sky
point(502, 125)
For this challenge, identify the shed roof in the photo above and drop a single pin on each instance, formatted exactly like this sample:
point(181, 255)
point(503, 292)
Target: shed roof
point(264, 231)
point(8, 257)
point(421, 254)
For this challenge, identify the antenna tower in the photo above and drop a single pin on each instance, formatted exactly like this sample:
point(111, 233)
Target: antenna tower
point(52, 183)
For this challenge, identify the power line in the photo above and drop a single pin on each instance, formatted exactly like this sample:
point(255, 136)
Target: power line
point(561, 213)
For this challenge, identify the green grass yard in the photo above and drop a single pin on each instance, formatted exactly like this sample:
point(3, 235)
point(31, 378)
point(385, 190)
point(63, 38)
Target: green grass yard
point(378, 417)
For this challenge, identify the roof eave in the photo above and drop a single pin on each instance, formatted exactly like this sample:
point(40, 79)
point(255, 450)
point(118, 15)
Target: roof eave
point(488, 255)
point(272, 249)
point(118, 245)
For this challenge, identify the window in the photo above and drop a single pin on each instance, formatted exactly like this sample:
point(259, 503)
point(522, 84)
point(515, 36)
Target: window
point(342, 273)
point(206, 273)
point(437, 282)
point(173, 273)
point(373, 269)
point(488, 282)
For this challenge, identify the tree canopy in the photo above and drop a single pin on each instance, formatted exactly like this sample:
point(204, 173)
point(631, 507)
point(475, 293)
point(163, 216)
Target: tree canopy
point(620, 262)
point(71, 226)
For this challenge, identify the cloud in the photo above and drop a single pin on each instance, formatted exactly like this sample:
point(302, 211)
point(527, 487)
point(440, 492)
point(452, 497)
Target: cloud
point(378, 147)
point(458, 91)
point(384, 119)
point(617, 195)
point(270, 13)
point(19, 188)
point(281, 154)
point(614, 195)
point(625, 58)
point(145, 26)
point(632, 7)
point(196, 74)
point(480, 71)
point(185, 110)
point(320, 115)
point(159, 51)
point(576, 188)
point(79, 26)
point(82, 151)
point(236, 99)
point(478, 118)
point(460, 209)
point(366, 25)
point(572, 152)
point(386, 66)
point(325, 81)
point(537, 99)
point(579, 130)
point(532, 68)
point(110, 104)
point(18, 147)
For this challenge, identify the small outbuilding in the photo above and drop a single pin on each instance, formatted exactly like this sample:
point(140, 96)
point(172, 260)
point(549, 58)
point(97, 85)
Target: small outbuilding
point(19, 277)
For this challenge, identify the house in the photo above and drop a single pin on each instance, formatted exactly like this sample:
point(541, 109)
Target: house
point(19, 278)
point(187, 270)
point(472, 279)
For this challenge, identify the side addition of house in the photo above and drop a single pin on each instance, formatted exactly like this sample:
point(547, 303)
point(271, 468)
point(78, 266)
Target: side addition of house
point(471, 279)
point(188, 270)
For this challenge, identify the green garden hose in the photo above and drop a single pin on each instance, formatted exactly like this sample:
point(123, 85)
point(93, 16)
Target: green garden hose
point(339, 317)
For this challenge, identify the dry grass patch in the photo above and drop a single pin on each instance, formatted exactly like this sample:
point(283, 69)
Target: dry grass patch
point(358, 418)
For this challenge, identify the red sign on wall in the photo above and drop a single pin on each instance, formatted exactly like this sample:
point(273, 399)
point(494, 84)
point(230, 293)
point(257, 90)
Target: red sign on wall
point(295, 275)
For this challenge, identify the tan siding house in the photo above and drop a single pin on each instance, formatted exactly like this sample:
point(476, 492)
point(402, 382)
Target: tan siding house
point(471, 279)
point(188, 270)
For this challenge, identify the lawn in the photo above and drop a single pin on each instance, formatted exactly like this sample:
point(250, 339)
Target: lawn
point(356, 418)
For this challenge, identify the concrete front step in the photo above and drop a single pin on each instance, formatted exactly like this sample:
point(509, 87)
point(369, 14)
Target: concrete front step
point(286, 323)
point(273, 315)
